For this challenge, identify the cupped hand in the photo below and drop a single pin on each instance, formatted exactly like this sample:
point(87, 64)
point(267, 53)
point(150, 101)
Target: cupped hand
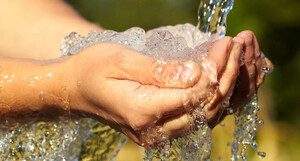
point(145, 98)
point(253, 72)
point(255, 66)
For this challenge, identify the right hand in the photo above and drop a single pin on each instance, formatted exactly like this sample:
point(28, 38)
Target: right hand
point(134, 93)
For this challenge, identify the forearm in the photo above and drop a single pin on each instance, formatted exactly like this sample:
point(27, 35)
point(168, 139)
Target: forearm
point(37, 89)
point(35, 28)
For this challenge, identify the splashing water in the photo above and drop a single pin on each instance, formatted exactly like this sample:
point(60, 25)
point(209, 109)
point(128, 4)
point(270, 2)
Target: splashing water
point(88, 139)
point(62, 140)
point(211, 17)
point(245, 121)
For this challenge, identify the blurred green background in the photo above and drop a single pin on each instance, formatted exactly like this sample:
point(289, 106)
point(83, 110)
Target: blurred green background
point(277, 27)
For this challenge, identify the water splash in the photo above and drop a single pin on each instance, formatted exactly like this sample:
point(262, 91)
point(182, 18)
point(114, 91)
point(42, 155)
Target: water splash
point(246, 121)
point(212, 16)
point(62, 140)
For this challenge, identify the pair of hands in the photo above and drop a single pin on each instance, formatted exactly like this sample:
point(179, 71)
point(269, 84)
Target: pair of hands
point(134, 93)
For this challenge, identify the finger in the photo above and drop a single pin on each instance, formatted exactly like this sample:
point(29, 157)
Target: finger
point(227, 80)
point(178, 125)
point(250, 48)
point(263, 64)
point(260, 62)
point(248, 72)
point(247, 81)
point(135, 66)
point(231, 72)
point(260, 68)
point(165, 103)
point(172, 128)
point(219, 53)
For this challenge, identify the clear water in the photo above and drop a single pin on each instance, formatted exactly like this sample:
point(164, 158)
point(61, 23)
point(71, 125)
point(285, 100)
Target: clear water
point(246, 124)
point(62, 140)
point(212, 16)
point(88, 139)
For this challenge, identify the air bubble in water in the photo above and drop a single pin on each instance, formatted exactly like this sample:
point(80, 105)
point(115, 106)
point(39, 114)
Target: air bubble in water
point(261, 154)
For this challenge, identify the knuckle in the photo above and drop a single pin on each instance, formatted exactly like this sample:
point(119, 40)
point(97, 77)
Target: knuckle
point(138, 122)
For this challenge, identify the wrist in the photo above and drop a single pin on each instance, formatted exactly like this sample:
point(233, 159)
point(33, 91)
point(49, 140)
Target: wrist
point(37, 89)
point(56, 85)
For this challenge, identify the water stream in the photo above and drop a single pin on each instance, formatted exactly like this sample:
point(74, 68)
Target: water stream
point(89, 139)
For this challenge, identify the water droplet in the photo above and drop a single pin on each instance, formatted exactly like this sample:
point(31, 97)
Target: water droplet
point(65, 87)
point(164, 138)
point(254, 145)
point(262, 154)
point(32, 83)
point(78, 83)
point(265, 69)
point(229, 110)
point(261, 122)
point(225, 103)
point(49, 75)
point(41, 96)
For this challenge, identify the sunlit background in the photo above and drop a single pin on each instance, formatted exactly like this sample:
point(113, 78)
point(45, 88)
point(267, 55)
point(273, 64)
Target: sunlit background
point(277, 27)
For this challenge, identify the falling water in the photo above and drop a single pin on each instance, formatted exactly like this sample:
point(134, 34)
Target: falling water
point(61, 140)
point(212, 16)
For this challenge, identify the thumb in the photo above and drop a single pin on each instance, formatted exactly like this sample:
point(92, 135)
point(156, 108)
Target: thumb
point(167, 73)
